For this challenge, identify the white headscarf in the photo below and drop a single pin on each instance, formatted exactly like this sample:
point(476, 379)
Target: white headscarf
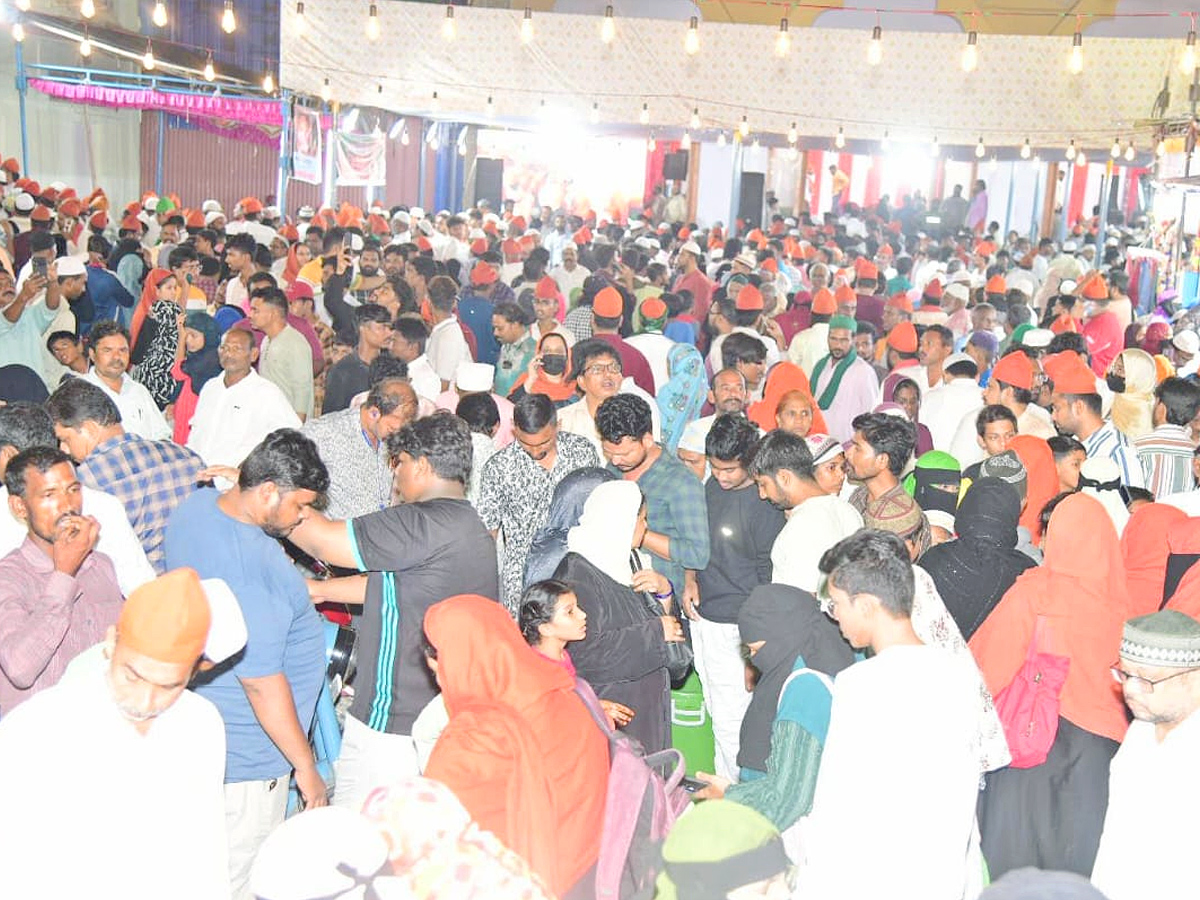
point(604, 535)
point(1105, 471)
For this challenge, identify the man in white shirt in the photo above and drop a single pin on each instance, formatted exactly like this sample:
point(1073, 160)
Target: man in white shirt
point(743, 314)
point(122, 729)
point(942, 411)
point(236, 411)
point(23, 427)
point(447, 347)
point(108, 350)
point(570, 276)
point(1146, 849)
point(1011, 385)
point(409, 337)
point(783, 470)
point(918, 705)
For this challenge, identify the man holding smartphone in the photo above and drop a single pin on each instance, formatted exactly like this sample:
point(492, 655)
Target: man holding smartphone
point(23, 321)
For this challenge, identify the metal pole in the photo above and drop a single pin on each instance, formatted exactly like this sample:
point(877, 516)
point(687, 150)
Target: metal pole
point(735, 198)
point(285, 138)
point(22, 90)
point(158, 164)
point(1012, 178)
point(422, 161)
point(1194, 97)
point(1035, 214)
point(1102, 225)
point(1066, 207)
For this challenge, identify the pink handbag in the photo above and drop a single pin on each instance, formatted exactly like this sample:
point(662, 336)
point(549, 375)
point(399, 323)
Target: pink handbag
point(1028, 707)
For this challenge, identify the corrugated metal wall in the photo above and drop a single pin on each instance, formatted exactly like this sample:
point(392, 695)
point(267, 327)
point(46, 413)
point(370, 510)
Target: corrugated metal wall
point(198, 166)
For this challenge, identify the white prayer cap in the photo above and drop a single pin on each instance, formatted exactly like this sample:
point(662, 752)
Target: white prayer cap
point(959, 291)
point(325, 852)
point(693, 248)
point(69, 267)
point(1187, 341)
point(211, 206)
point(401, 215)
point(416, 212)
point(150, 204)
point(1037, 338)
point(212, 216)
point(24, 202)
point(473, 377)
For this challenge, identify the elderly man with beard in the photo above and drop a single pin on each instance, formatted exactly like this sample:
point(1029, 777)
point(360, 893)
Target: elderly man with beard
point(57, 595)
point(844, 385)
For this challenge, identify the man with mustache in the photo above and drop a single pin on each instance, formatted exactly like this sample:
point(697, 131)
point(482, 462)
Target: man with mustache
point(57, 595)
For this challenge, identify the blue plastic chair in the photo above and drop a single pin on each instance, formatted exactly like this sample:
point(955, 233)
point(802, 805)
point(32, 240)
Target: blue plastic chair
point(325, 735)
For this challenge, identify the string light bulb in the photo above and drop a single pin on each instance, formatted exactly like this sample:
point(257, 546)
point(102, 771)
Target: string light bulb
point(18, 32)
point(935, 148)
point(886, 144)
point(685, 143)
point(970, 54)
point(608, 26)
point(228, 19)
point(596, 112)
point(721, 140)
point(210, 73)
point(1026, 150)
point(1081, 158)
point(301, 21)
point(373, 23)
point(87, 8)
point(793, 134)
point(694, 122)
point(839, 139)
point(434, 142)
point(404, 138)
point(85, 45)
point(652, 144)
point(159, 16)
point(691, 43)
point(783, 41)
point(1130, 152)
point(491, 107)
point(527, 25)
point(1075, 58)
point(449, 26)
point(744, 126)
point(269, 83)
point(435, 103)
point(1071, 150)
point(875, 47)
point(1187, 62)
point(1115, 151)
point(326, 91)
point(23, 5)
point(148, 58)
point(980, 149)
point(1161, 148)
point(644, 115)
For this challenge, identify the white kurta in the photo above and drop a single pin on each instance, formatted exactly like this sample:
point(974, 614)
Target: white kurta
point(1148, 845)
point(858, 393)
point(91, 808)
point(942, 411)
point(811, 528)
point(229, 422)
point(140, 415)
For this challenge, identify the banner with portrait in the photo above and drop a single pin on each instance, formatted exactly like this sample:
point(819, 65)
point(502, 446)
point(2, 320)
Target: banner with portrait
point(361, 158)
point(306, 145)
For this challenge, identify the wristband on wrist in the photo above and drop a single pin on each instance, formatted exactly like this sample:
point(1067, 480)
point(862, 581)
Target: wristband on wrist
point(669, 593)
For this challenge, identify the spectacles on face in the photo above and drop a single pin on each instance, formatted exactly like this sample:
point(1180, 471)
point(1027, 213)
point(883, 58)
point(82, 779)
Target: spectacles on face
point(603, 369)
point(1137, 683)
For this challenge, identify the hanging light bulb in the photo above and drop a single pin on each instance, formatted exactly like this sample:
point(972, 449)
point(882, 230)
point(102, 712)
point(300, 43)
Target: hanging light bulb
point(970, 54)
point(399, 125)
point(1130, 152)
point(349, 121)
point(404, 138)
point(608, 26)
point(793, 134)
point(1026, 150)
point(301, 21)
point(449, 28)
point(491, 107)
point(269, 83)
point(744, 126)
point(159, 16)
point(652, 144)
point(1081, 158)
point(992, 163)
point(462, 142)
point(839, 139)
point(1071, 150)
point(148, 58)
point(1187, 62)
point(87, 8)
point(18, 32)
point(596, 113)
point(326, 91)
point(435, 104)
point(23, 5)
point(379, 89)
point(85, 45)
point(980, 149)
point(543, 109)
point(886, 144)
point(210, 73)
point(935, 148)
point(1115, 151)
point(373, 23)
point(431, 138)
point(783, 42)
point(644, 115)
point(691, 43)
point(875, 47)
point(695, 120)
point(685, 143)
point(1075, 59)
point(721, 141)
point(527, 26)
point(1161, 148)
point(228, 19)
point(757, 143)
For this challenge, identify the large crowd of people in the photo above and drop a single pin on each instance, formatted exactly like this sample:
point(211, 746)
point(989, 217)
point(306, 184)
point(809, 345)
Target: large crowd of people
point(916, 508)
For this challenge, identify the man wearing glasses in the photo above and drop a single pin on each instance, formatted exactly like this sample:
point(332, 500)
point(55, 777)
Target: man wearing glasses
point(598, 375)
point(1146, 848)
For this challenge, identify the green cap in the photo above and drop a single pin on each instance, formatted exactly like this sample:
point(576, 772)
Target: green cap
point(843, 322)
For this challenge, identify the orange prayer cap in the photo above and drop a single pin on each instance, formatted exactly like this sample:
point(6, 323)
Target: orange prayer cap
point(378, 225)
point(755, 236)
point(885, 251)
point(903, 338)
point(823, 303)
point(933, 290)
point(252, 205)
point(685, 233)
point(131, 223)
point(1094, 288)
point(985, 248)
point(511, 249)
point(132, 209)
point(810, 252)
point(167, 619)
point(479, 246)
point(901, 301)
point(50, 194)
point(10, 165)
point(582, 236)
point(1069, 374)
point(490, 227)
point(868, 270)
point(423, 244)
point(547, 289)
point(996, 285)
point(609, 304)
point(35, 190)
point(749, 299)
point(527, 242)
point(194, 219)
point(845, 294)
point(1015, 369)
point(40, 214)
point(70, 208)
point(653, 309)
point(517, 222)
point(483, 274)
point(1163, 369)
point(99, 220)
point(769, 265)
point(68, 194)
point(289, 233)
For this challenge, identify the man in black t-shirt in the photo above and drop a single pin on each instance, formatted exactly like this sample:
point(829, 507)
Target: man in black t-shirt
point(431, 547)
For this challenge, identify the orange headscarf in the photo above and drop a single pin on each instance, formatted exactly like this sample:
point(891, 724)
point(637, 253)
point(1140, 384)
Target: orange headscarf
point(1183, 579)
point(556, 391)
point(1042, 479)
point(292, 268)
point(521, 751)
point(1081, 590)
point(783, 377)
point(154, 278)
point(1144, 546)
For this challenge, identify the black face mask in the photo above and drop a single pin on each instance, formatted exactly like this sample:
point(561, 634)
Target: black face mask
point(1116, 383)
point(553, 364)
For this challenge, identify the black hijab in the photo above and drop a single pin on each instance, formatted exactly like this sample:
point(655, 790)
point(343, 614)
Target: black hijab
point(549, 543)
point(975, 570)
point(792, 624)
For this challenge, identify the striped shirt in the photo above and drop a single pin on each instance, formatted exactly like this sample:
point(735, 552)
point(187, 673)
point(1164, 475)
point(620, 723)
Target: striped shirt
point(1166, 457)
point(1106, 441)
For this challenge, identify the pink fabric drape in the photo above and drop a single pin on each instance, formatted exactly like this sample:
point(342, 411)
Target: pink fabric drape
point(246, 112)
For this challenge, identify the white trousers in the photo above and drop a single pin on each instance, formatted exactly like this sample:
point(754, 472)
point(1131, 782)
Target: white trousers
point(252, 811)
point(717, 650)
point(370, 759)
